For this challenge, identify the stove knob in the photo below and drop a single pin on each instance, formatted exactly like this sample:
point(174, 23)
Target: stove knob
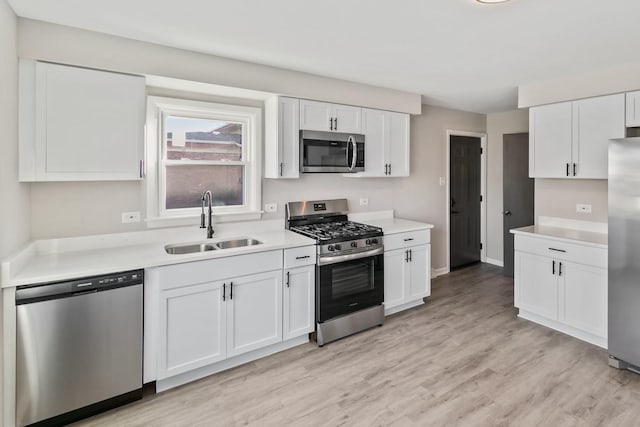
point(337, 247)
point(368, 241)
point(354, 244)
point(331, 248)
point(374, 241)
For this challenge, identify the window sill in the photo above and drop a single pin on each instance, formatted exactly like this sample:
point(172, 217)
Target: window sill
point(178, 221)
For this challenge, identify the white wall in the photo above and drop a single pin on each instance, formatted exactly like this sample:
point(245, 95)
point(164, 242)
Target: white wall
point(14, 197)
point(558, 198)
point(499, 124)
point(58, 43)
point(616, 79)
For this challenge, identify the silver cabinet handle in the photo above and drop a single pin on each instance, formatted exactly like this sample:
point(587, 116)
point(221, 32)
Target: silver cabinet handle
point(231, 293)
point(288, 279)
point(567, 169)
point(409, 239)
point(335, 123)
point(224, 292)
point(303, 257)
point(406, 256)
point(553, 268)
point(389, 168)
point(574, 169)
point(331, 123)
point(557, 250)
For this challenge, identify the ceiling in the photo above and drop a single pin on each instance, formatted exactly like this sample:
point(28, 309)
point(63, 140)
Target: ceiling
point(456, 53)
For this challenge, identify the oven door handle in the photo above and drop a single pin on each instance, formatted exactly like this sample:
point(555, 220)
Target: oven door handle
point(349, 257)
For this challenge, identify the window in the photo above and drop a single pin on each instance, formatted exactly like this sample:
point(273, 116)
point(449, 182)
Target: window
point(195, 146)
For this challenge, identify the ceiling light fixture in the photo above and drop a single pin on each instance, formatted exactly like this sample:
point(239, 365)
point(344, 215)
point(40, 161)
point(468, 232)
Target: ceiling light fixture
point(491, 1)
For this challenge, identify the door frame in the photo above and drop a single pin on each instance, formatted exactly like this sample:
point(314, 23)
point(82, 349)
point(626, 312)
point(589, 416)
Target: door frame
point(483, 192)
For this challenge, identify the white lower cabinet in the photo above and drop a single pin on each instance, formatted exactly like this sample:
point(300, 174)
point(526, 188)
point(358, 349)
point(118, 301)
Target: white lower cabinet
point(207, 323)
point(194, 328)
point(254, 312)
point(557, 291)
point(299, 301)
point(407, 278)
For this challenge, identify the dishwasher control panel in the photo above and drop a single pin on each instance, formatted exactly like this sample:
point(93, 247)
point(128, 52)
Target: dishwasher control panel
point(45, 291)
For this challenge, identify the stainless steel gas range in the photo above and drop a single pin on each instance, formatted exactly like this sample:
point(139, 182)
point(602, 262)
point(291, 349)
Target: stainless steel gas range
point(349, 267)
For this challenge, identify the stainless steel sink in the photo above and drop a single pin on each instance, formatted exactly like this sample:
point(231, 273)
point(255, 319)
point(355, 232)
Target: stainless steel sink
point(237, 243)
point(190, 248)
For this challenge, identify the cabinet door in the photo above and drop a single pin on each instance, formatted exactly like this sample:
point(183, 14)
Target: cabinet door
point(583, 303)
point(299, 302)
point(550, 133)
point(315, 115)
point(398, 144)
point(536, 285)
point(282, 138)
point(419, 285)
point(193, 328)
point(376, 134)
point(633, 109)
point(347, 119)
point(595, 121)
point(89, 124)
point(396, 275)
point(254, 313)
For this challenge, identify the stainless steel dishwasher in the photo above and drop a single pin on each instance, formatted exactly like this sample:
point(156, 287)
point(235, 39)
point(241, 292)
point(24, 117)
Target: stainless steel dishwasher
point(79, 347)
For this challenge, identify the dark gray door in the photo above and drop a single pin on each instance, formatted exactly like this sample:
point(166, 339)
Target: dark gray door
point(465, 201)
point(518, 191)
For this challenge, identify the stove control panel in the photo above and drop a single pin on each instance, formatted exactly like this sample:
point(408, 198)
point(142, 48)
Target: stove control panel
point(351, 246)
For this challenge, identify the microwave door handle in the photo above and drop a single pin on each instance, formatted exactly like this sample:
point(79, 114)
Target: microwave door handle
point(355, 153)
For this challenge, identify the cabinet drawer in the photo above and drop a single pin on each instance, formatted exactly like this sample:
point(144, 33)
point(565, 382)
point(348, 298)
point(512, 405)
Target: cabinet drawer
point(405, 240)
point(193, 273)
point(297, 257)
point(574, 252)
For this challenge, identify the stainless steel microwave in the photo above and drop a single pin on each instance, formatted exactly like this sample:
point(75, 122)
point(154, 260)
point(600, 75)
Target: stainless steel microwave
point(331, 152)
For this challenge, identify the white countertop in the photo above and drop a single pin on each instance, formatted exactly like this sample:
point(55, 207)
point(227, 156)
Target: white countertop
point(585, 237)
point(61, 259)
point(388, 223)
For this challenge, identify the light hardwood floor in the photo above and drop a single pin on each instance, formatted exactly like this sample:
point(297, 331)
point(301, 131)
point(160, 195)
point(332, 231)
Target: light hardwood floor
point(463, 359)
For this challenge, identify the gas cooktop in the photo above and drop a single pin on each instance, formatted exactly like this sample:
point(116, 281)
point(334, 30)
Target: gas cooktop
point(337, 231)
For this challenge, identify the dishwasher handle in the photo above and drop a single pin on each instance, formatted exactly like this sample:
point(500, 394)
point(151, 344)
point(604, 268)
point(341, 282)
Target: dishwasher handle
point(28, 294)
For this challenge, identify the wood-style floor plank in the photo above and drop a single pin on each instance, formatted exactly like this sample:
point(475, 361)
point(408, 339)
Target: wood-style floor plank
point(462, 359)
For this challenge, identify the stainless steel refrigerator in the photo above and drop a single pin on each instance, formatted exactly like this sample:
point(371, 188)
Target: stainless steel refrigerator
point(624, 253)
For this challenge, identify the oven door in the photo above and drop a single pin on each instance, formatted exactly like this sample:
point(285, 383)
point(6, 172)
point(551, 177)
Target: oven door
point(348, 286)
point(323, 152)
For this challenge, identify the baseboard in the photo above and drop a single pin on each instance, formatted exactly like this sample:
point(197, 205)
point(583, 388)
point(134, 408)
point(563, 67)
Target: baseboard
point(402, 307)
point(565, 329)
point(435, 272)
point(205, 371)
point(495, 262)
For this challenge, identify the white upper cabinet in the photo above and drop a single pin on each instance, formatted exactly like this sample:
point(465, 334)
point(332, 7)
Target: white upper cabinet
point(595, 122)
point(282, 136)
point(570, 139)
point(78, 124)
point(633, 109)
point(387, 138)
point(323, 116)
point(550, 140)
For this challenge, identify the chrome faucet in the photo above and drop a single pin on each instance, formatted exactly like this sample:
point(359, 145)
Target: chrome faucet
point(207, 198)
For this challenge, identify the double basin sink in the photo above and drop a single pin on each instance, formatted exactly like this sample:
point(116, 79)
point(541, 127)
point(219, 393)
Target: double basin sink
point(190, 248)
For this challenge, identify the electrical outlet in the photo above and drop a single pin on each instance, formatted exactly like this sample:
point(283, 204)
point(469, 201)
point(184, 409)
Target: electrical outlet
point(130, 217)
point(364, 201)
point(271, 207)
point(442, 181)
point(581, 208)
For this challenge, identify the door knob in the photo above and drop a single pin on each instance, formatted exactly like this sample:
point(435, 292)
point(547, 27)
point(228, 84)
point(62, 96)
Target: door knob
point(507, 213)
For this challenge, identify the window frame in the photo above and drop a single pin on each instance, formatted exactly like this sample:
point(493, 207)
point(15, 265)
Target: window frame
point(158, 108)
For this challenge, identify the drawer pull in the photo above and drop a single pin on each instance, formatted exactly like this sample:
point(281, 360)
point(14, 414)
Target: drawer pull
point(409, 239)
point(303, 257)
point(557, 250)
